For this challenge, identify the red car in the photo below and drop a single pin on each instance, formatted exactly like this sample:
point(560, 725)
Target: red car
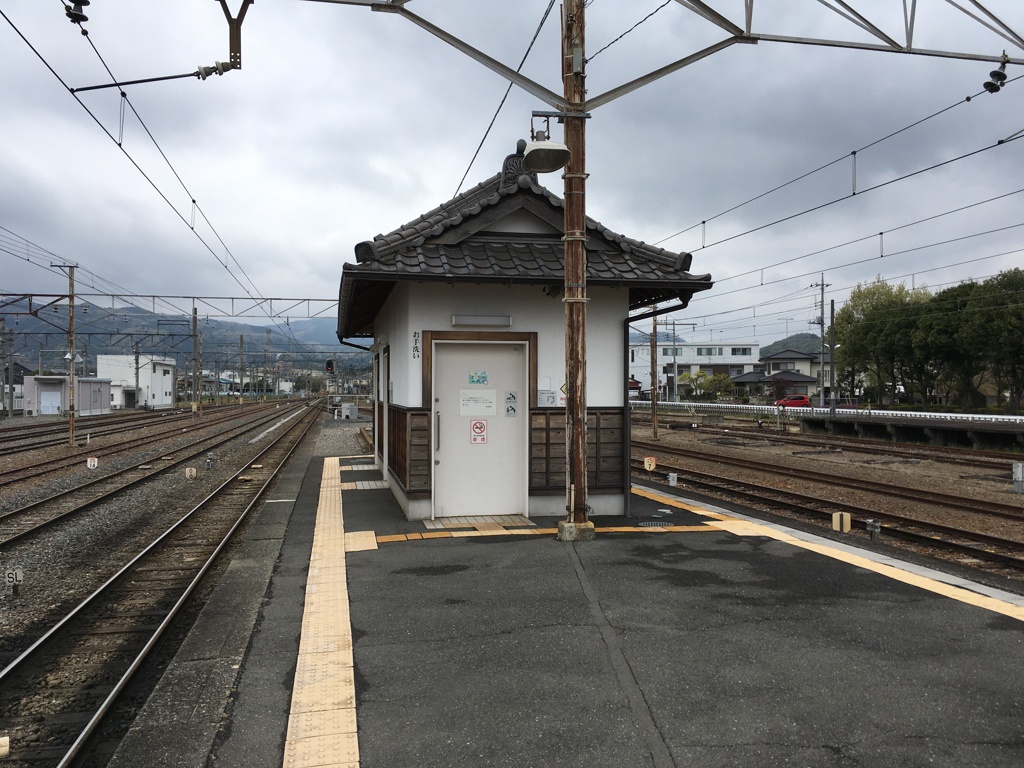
point(795, 401)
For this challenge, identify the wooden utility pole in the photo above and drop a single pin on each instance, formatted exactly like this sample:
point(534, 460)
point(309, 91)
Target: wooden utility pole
point(575, 289)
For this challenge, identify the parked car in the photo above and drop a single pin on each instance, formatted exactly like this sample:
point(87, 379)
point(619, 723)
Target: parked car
point(794, 401)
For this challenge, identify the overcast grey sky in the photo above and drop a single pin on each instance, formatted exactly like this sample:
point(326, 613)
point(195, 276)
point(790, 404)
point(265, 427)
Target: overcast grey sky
point(344, 123)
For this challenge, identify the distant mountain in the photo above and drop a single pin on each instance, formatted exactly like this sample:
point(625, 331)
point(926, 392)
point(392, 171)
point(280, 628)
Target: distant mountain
point(807, 343)
point(105, 331)
point(319, 330)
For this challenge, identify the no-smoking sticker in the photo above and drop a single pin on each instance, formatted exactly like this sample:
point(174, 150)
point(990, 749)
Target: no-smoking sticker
point(478, 432)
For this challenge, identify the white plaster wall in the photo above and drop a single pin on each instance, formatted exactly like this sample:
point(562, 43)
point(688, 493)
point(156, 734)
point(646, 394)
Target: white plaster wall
point(153, 385)
point(416, 307)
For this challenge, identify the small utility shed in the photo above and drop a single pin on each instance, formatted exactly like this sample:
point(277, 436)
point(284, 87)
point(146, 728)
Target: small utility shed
point(464, 309)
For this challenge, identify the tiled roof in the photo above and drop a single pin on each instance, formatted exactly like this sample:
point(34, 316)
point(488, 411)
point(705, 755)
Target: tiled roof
point(790, 354)
point(450, 243)
point(512, 259)
point(792, 377)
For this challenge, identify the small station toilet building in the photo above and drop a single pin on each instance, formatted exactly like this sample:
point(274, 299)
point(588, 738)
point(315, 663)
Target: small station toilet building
point(463, 307)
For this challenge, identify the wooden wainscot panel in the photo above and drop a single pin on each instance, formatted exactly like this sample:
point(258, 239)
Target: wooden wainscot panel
point(409, 448)
point(605, 456)
point(419, 451)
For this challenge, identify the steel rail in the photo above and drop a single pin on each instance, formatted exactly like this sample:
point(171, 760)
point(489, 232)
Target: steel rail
point(945, 453)
point(1008, 511)
point(99, 429)
point(308, 420)
point(801, 503)
point(43, 467)
point(203, 446)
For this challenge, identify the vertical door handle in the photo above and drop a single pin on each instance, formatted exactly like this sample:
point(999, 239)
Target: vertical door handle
point(437, 430)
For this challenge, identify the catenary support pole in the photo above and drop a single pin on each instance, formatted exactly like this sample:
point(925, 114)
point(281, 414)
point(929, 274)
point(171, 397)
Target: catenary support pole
point(71, 355)
point(575, 288)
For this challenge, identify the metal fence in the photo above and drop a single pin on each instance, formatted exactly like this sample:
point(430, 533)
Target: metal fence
point(840, 413)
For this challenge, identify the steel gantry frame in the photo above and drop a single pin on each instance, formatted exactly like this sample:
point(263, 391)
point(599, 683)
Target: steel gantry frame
point(575, 104)
point(209, 306)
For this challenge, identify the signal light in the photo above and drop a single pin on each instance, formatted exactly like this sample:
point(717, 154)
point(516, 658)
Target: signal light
point(330, 366)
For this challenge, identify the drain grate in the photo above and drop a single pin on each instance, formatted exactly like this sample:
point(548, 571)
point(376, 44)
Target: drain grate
point(652, 524)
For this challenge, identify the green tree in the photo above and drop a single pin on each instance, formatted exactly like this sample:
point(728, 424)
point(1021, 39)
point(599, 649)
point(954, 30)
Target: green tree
point(873, 334)
point(942, 337)
point(996, 325)
point(720, 384)
point(694, 383)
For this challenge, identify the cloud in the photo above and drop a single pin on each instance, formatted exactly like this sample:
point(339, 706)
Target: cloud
point(344, 123)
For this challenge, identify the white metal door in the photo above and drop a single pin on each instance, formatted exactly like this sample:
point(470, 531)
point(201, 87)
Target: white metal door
point(49, 402)
point(480, 429)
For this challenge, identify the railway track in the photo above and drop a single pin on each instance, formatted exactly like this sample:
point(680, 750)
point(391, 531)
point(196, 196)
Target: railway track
point(39, 514)
point(995, 509)
point(54, 434)
point(79, 457)
point(57, 691)
point(975, 545)
point(991, 460)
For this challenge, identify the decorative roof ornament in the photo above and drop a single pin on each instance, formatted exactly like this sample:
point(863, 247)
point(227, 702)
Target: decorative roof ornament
point(513, 168)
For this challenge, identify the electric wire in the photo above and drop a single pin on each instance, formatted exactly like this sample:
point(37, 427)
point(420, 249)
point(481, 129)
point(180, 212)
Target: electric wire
point(151, 182)
point(871, 236)
point(876, 187)
point(177, 176)
point(21, 248)
point(829, 164)
point(841, 290)
point(508, 90)
point(613, 42)
point(6, 243)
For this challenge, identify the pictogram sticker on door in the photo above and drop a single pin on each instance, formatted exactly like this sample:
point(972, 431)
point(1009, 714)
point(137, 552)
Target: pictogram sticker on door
point(478, 432)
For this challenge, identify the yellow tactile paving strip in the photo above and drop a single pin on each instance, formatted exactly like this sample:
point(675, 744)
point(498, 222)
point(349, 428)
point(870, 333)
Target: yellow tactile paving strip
point(322, 720)
point(322, 729)
point(749, 528)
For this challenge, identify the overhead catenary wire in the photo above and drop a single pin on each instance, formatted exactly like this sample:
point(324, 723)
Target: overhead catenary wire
point(873, 235)
point(508, 90)
point(34, 254)
point(761, 319)
point(613, 42)
point(177, 176)
point(876, 187)
point(152, 183)
point(825, 166)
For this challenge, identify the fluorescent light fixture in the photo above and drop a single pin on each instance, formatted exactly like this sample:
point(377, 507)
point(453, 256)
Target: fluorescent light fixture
point(493, 321)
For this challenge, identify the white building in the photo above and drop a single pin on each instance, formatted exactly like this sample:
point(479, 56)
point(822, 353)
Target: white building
point(678, 358)
point(50, 396)
point(145, 381)
point(465, 310)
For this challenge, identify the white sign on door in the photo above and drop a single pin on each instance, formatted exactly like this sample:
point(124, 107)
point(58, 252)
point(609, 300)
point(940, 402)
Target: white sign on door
point(478, 432)
point(478, 402)
point(511, 404)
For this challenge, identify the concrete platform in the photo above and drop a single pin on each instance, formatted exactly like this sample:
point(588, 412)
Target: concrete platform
point(710, 640)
